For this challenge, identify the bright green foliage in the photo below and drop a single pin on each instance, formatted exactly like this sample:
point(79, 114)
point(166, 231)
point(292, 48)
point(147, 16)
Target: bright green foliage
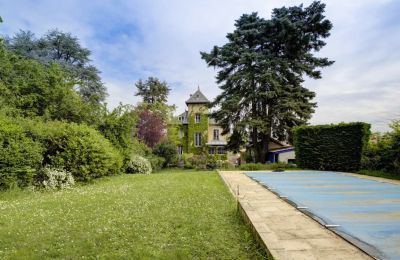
point(20, 156)
point(29, 89)
point(268, 166)
point(168, 151)
point(383, 154)
point(172, 215)
point(139, 164)
point(119, 126)
point(192, 128)
point(261, 70)
point(173, 128)
point(65, 50)
point(78, 149)
point(331, 147)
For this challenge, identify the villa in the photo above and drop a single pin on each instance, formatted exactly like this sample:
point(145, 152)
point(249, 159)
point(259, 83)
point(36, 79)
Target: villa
point(199, 133)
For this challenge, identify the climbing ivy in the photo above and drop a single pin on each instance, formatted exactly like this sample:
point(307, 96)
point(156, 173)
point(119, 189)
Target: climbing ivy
point(201, 127)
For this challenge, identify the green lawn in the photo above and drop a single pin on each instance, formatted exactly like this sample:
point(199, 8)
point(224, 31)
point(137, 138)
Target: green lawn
point(171, 215)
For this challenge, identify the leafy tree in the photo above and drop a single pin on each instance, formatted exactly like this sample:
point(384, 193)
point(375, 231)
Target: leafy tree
point(151, 128)
point(261, 71)
point(64, 49)
point(152, 90)
point(119, 126)
point(33, 89)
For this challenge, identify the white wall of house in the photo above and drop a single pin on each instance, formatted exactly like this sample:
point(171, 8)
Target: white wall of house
point(284, 157)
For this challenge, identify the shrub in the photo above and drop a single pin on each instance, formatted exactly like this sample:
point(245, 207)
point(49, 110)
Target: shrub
point(20, 156)
point(331, 147)
point(168, 151)
point(224, 164)
point(156, 162)
point(383, 154)
point(198, 162)
point(139, 164)
point(51, 179)
point(78, 149)
point(184, 161)
point(269, 166)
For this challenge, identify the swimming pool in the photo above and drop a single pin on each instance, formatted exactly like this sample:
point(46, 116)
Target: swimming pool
point(363, 211)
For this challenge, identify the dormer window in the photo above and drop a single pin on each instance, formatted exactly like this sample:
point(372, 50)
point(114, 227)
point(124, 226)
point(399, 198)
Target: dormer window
point(197, 118)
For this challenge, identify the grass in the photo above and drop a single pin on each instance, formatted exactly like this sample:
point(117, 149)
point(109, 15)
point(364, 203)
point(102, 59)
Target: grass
point(170, 215)
point(381, 174)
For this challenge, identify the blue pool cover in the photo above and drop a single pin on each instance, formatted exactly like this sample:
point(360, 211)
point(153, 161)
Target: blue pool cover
point(367, 212)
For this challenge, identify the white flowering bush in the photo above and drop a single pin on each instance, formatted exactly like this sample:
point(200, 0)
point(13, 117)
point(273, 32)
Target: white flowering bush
point(52, 179)
point(139, 164)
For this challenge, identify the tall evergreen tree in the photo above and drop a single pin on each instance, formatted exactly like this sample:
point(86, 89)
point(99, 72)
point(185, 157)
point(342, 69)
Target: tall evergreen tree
point(261, 71)
point(152, 90)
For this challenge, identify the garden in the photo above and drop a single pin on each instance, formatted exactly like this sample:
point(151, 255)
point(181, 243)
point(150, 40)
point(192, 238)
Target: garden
point(174, 214)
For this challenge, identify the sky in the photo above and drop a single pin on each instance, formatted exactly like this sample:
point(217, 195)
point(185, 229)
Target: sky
point(132, 40)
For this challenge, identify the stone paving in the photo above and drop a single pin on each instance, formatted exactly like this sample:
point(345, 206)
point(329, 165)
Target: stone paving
point(286, 232)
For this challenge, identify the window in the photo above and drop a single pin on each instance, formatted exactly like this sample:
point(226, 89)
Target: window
point(181, 133)
point(197, 118)
point(216, 134)
point(197, 139)
point(211, 150)
point(221, 150)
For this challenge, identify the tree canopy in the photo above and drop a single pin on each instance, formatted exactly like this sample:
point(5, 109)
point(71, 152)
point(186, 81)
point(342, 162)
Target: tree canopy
point(64, 49)
point(261, 71)
point(152, 90)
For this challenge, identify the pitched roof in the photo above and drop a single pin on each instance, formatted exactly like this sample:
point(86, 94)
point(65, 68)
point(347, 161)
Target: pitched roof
point(197, 98)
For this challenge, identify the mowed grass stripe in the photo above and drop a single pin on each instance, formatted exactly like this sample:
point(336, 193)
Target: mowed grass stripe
point(169, 215)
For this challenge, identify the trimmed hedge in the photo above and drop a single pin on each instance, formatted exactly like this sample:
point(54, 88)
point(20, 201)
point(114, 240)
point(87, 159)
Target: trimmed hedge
point(20, 156)
point(268, 166)
point(331, 147)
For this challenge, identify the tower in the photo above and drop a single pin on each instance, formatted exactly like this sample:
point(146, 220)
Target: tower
point(197, 119)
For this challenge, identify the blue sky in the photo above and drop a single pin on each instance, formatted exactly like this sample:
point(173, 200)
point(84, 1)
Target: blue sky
point(136, 39)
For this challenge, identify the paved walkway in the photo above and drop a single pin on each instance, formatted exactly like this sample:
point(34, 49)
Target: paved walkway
point(285, 231)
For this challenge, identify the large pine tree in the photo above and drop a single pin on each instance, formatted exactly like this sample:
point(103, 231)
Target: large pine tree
point(261, 71)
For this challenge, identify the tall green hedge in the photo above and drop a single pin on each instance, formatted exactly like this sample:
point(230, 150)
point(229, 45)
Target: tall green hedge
point(331, 147)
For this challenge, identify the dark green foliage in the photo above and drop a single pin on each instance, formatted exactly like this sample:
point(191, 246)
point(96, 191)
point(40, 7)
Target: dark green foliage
point(20, 156)
point(78, 149)
point(261, 71)
point(269, 166)
point(168, 151)
point(383, 152)
point(152, 90)
point(331, 147)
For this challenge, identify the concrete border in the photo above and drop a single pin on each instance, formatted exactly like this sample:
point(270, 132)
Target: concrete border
point(284, 231)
